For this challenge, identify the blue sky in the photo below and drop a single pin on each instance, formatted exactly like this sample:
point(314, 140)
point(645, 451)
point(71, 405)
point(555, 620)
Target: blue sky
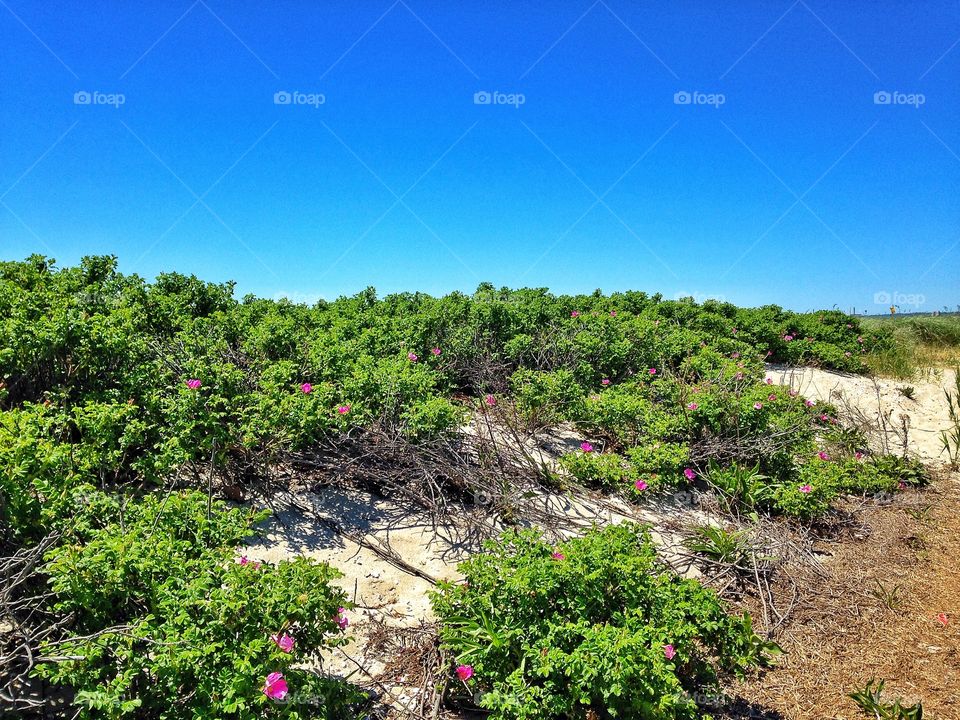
point(785, 178)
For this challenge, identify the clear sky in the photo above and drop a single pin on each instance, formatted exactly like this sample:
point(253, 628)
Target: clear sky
point(160, 132)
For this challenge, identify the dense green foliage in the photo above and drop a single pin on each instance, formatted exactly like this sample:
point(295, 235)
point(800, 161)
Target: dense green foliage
point(110, 387)
point(167, 623)
point(592, 624)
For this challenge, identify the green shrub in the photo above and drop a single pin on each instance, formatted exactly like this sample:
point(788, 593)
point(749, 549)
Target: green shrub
point(432, 418)
point(545, 398)
point(167, 623)
point(593, 626)
point(599, 470)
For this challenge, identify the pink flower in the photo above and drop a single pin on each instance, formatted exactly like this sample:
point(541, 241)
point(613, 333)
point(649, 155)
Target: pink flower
point(436, 351)
point(243, 560)
point(769, 381)
point(735, 355)
point(806, 489)
point(692, 406)
point(771, 397)
point(769, 353)
point(490, 400)
point(739, 376)
point(822, 455)
point(464, 672)
point(809, 403)
point(341, 618)
point(193, 384)
point(847, 354)
point(669, 652)
point(794, 393)
point(652, 371)
point(586, 447)
point(858, 455)
point(943, 619)
point(825, 418)
point(613, 313)
point(412, 357)
point(758, 406)
point(689, 474)
point(343, 409)
point(605, 381)
point(788, 338)
point(902, 485)
point(284, 642)
point(734, 331)
point(859, 339)
point(276, 687)
point(558, 556)
point(640, 485)
point(575, 313)
point(306, 388)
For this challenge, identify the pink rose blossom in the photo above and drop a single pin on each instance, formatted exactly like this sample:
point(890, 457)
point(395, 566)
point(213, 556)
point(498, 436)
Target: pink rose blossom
point(822, 455)
point(943, 619)
point(809, 403)
point(669, 652)
point(586, 447)
point(771, 397)
point(435, 351)
point(858, 455)
point(464, 672)
point(739, 376)
point(556, 555)
point(275, 687)
point(769, 381)
point(692, 406)
point(640, 485)
point(689, 473)
point(490, 400)
point(758, 406)
point(193, 384)
point(412, 357)
point(605, 381)
point(613, 313)
point(306, 388)
point(575, 313)
point(341, 618)
point(806, 489)
point(652, 371)
point(284, 642)
point(735, 355)
point(343, 409)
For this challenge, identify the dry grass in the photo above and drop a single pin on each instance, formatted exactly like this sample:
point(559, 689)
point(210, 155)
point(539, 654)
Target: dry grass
point(873, 613)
